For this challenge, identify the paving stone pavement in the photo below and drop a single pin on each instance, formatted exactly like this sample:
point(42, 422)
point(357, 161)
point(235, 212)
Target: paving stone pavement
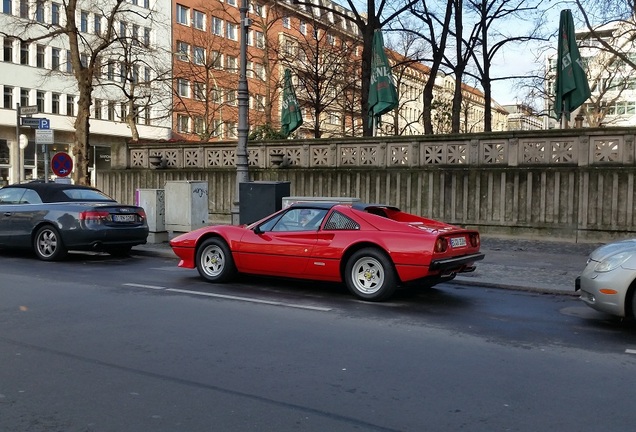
point(540, 266)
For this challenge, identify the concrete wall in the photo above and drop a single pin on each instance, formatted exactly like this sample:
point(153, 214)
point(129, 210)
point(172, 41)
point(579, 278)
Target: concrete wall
point(577, 187)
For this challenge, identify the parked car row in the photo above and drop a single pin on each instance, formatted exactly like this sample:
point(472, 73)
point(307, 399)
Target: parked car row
point(371, 248)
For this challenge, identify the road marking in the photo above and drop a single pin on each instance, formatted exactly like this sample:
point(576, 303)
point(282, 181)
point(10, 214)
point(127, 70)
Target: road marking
point(630, 351)
point(250, 300)
point(145, 286)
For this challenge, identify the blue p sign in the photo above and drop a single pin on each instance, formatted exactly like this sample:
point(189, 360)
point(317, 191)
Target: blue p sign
point(44, 124)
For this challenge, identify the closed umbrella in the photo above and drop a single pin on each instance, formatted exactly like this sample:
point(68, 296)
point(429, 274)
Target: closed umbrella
point(382, 94)
point(571, 84)
point(291, 117)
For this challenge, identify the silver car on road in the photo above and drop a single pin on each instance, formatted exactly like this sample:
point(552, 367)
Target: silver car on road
point(608, 282)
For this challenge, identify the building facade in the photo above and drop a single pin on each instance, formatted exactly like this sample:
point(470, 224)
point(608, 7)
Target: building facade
point(36, 72)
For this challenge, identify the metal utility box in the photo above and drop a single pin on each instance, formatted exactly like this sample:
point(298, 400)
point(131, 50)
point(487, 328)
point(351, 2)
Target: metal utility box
point(288, 200)
point(261, 198)
point(153, 202)
point(186, 205)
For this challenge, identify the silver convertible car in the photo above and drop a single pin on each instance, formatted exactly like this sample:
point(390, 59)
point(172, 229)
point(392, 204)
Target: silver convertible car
point(608, 282)
point(53, 218)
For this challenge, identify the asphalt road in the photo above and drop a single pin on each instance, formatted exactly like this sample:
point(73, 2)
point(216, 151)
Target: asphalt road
point(104, 344)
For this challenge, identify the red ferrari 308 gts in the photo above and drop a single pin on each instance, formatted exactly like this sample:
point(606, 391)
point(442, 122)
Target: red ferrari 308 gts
point(372, 248)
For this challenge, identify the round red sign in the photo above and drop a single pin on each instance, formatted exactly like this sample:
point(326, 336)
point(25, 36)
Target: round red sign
point(61, 164)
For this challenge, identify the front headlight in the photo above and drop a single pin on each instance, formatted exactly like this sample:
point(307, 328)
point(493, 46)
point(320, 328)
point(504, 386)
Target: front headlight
point(610, 263)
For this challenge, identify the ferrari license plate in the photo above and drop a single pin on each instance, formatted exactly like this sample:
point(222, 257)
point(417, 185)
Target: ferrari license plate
point(125, 218)
point(458, 242)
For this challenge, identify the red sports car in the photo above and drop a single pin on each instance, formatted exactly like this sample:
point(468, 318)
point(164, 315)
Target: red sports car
point(372, 248)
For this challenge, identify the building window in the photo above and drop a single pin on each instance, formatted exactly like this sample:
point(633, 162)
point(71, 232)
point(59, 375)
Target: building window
point(199, 91)
point(8, 50)
point(217, 60)
point(110, 70)
point(259, 71)
point(123, 72)
point(24, 9)
point(231, 64)
point(199, 125)
point(231, 97)
point(55, 103)
point(84, 22)
point(39, 100)
point(24, 53)
point(69, 63)
point(111, 111)
point(97, 24)
point(260, 39)
point(217, 128)
point(39, 11)
point(147, 75)
point(303, 27)
point(183, 51)
point(231, 130)
point(55, 14)
point(122, 29)
point(232, 31)
point(7, 6)
point(55, 58)
point(8, 97)
point(84, 60)
point(98, 109)
point(70, 105)
point(183, 87)
point(24, 97)
point(39, 57)
point(183, 123)
point(286, 22)
point(231, 2)
point(135, 35)
point(146, 37)
point(123, 111)
point(199, 55)
point(183, 15)
point(217, 26)
point(217, 96)
point(198, 20)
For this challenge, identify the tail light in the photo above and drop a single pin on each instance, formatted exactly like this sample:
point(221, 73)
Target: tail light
point(441, 244)
point(474, 240)
point(94, 216)
point(142, 214)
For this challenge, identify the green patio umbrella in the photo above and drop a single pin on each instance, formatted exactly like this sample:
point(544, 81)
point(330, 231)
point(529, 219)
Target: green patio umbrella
point(382, 94)
point(571, 84)
point(290, 117)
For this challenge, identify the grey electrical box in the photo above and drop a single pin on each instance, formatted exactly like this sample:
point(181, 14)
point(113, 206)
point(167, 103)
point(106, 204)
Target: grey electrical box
point(186, 205)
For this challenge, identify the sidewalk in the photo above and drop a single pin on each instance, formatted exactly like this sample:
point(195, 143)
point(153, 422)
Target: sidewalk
point(538, 266)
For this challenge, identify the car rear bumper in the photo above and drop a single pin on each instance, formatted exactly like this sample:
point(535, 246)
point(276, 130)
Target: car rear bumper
point(456, 264)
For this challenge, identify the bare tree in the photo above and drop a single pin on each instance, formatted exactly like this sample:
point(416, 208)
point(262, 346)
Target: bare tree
point(321, 59)
point(86, 51)
point(375, 17)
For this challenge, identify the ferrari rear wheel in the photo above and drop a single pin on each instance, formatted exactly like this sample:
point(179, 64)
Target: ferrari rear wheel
point(48, 245)
point(369, 274)
point(214, 261)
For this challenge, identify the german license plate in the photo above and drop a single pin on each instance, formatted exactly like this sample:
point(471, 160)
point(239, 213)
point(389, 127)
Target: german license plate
point(125, 218)
point(458, 242)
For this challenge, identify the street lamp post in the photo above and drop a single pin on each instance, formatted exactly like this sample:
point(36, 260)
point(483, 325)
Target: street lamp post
point(242, 174)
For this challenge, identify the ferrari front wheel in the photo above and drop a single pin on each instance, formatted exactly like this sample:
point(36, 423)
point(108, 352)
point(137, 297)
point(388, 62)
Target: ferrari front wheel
point(370, 275)
point(214, 261)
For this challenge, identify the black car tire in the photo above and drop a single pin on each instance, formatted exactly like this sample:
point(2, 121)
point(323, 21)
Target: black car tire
point(370, 275)
point(48, 244)
point(214, 261)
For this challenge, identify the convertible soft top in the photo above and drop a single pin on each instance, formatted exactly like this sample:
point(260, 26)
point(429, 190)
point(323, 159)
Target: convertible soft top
point(62, 192)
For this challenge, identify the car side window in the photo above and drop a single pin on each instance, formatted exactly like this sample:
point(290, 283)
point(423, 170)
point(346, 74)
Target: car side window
point(30, 197)
point(300, 219)
point(11, 196)
point(338, 221)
